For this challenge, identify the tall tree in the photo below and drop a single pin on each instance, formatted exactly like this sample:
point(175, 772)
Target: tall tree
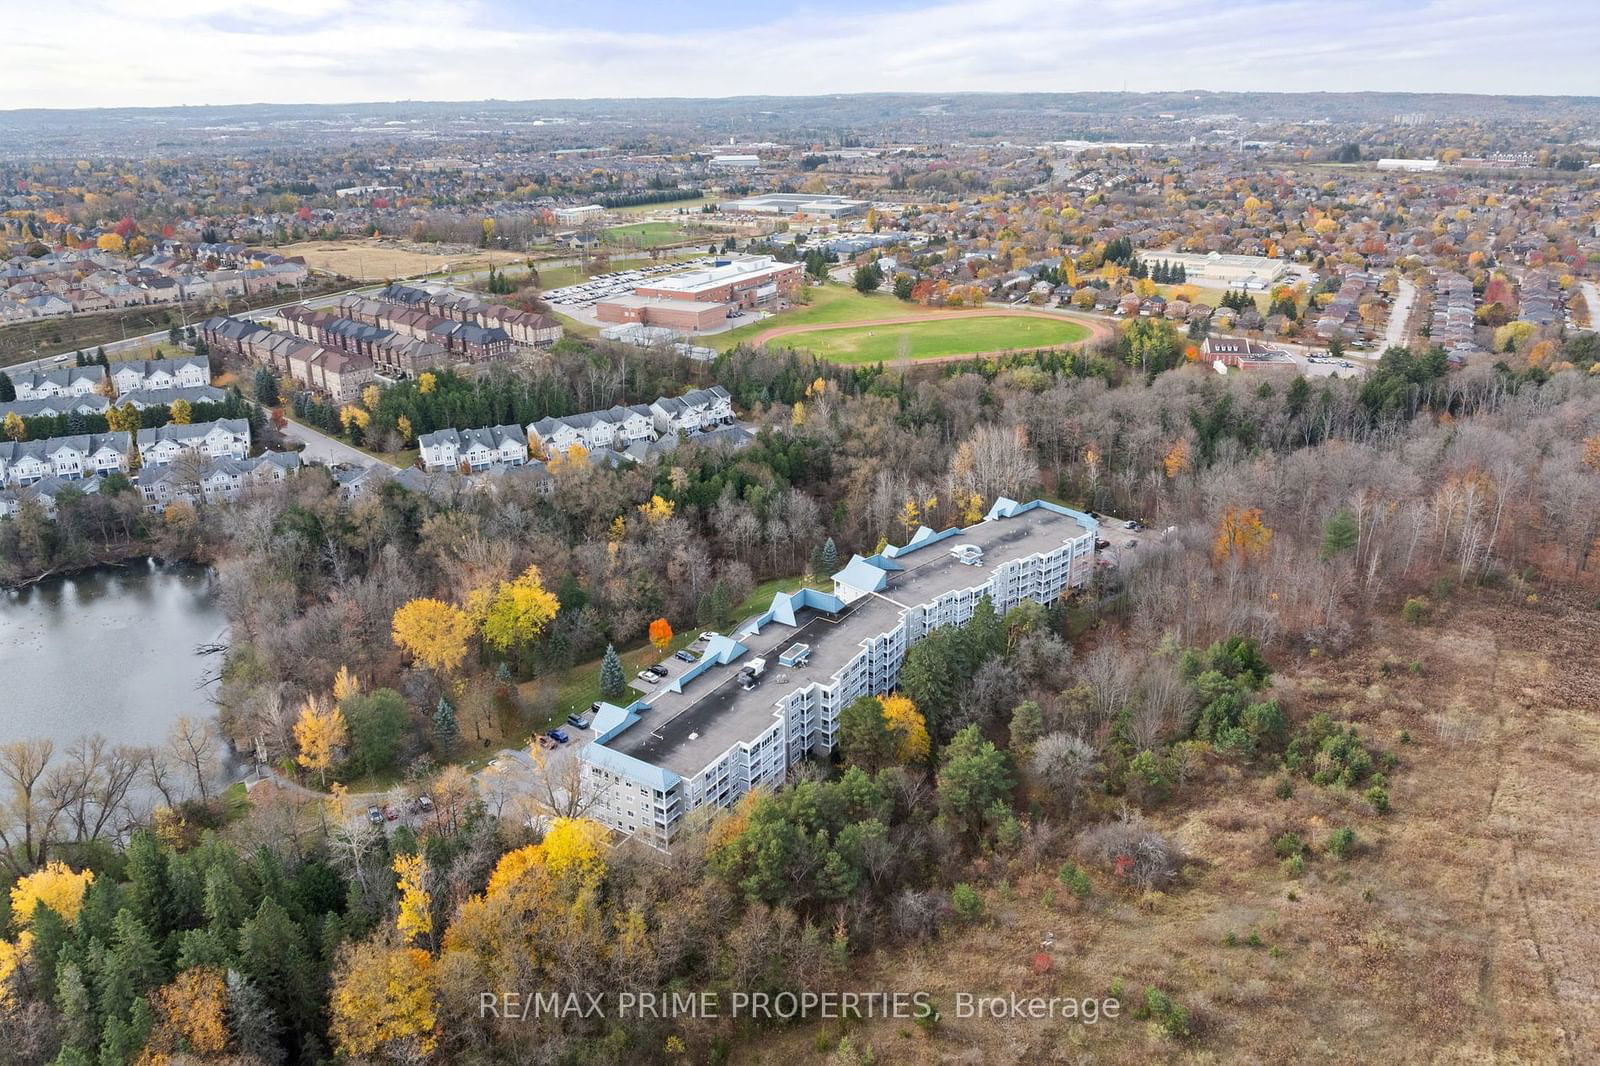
point(612, 680)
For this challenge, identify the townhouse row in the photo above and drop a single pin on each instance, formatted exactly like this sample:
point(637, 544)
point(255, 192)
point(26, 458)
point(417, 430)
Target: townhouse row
point(139, 375)
point(73, 458)
point(699, 411)
point(761, 700)
point(338, 374)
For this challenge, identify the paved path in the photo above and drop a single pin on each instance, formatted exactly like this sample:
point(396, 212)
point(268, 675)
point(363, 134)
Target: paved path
point(1591, 300)
point(325, 449)
point(1098, 328)
point(1394, 334)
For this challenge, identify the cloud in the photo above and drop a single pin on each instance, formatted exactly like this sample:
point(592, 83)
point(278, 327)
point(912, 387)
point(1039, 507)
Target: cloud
point(99, 53)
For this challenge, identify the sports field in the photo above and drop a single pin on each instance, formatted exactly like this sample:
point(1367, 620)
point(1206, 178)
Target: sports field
point(378, 260)
point(645, 235)
point(936, 338)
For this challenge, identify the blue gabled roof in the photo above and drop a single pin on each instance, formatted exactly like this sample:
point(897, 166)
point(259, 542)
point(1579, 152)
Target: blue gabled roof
point(858, 573)
point(1007, 508)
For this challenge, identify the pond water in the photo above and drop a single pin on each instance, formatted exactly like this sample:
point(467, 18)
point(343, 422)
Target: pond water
point(113, 650)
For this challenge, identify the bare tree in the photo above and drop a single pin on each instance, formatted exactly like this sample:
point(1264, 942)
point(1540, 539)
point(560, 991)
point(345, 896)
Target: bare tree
point(1063, 764)
point(193, 743)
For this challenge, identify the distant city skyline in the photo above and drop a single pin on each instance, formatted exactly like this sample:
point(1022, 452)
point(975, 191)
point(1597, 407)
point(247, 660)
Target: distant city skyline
point(126, 53)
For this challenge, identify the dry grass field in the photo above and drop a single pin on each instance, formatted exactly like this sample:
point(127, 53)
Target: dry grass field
point(1463, 929)
point(377, 260)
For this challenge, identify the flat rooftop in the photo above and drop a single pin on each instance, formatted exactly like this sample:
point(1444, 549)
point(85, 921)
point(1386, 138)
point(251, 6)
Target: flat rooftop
point(635, 300)
point(684, 731)
point(712, 277)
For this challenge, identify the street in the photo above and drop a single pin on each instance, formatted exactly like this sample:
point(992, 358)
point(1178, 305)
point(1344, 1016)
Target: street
point(321, 448)
point(1394, 334)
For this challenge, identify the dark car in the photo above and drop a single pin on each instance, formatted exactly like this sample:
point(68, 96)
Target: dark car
point(685, 656)
point(558, 735)
point(581, 721)
point(1101, 545)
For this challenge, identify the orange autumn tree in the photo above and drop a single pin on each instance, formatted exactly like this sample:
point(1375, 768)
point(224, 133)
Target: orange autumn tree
point(1241, 533)
point(384, 1002)
point(661, 634)
point(1176, 460)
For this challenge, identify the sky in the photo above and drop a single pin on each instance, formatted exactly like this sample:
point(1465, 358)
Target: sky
point(123, 53)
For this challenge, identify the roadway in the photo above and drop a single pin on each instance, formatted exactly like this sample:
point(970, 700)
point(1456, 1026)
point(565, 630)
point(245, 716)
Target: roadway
point(1394, 334)
point(320, 447)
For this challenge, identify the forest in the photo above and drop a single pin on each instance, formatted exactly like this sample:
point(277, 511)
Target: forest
point(273, 930)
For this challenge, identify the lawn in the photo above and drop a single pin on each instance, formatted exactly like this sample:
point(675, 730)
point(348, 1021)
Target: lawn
point(936, 338)
point(830, 303)
point(645, 234)
point(380, 260)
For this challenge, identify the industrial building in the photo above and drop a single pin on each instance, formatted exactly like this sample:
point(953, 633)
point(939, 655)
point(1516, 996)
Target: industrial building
point(762, 699)
point(702, 299)
point(796, 203)
point(1253, 272)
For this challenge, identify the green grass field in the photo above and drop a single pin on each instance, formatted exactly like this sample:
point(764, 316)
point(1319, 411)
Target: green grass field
point(645, 235)
point(829, 304)
point(936, 338)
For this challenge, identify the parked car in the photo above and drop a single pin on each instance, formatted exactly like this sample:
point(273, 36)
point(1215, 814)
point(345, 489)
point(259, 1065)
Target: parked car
point(558, 735)
point(425, 804)
point(684, 656)
point(707, 636)
point(1132, 543)
point(581, 721)
point(545, 742)
point(1101, 544)
point(390, 814)
point(647, 677)
point(594, 708)
point(1133, 524)
point(375, 815)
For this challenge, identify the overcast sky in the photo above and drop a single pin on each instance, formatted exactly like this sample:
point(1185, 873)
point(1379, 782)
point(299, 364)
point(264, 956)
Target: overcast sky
point(109, 53)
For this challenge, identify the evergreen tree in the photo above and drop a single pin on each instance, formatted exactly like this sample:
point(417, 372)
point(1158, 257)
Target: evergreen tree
point(446, 730)
point(78, 358)
point(8, 391)
point(830, 556)
point(612, 680)
point(100, 357)
point(266, 387)
point(251, 1023)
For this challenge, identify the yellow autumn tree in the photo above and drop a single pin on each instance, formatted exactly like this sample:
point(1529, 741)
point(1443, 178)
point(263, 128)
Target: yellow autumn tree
point(55, 886)
point(190, 1016)
point(911, 516)
point(370, 397)
point(415, 916)
point(345, 685)
point(15, 430)
point(427, 381)
point(319, 733)
point(515, 612)
point(383, 1002)
point(1176, 460)
point(657, 510)
point(403, 424)
point(433, 632)
point(570, 845)
point(971, 509)
point(909, 728)
point(182, 412)
point(1242, 533)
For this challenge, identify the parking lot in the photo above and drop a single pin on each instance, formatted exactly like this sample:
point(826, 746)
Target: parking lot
point(585, 294)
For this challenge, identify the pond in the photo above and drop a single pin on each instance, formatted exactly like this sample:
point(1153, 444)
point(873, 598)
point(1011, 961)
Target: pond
point(114, 650)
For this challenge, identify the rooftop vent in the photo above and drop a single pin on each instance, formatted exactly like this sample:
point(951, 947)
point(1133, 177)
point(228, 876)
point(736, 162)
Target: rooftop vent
point(970, 554)
point(794, 655)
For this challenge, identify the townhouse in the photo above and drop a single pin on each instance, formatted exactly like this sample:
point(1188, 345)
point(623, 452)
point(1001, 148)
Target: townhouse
point(226, 438)
point(221, 480)
point(694, 411)
point(619, 427)
point(47, 493)
point(154, 375)
point(68, 381)
point(69, 458)
point(523, 327)
point(473, 449)
point(769, 695)
point(342, 375)
point(192, 394)
point(54, 407)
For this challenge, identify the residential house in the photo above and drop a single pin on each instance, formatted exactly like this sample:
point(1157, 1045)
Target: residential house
point(68, 381)
point(474, 449)
point(71, 458)
point(226, 438)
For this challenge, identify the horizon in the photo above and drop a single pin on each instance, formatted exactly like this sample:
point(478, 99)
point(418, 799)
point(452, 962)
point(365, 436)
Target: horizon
point(531, 100)
point(349, 52)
